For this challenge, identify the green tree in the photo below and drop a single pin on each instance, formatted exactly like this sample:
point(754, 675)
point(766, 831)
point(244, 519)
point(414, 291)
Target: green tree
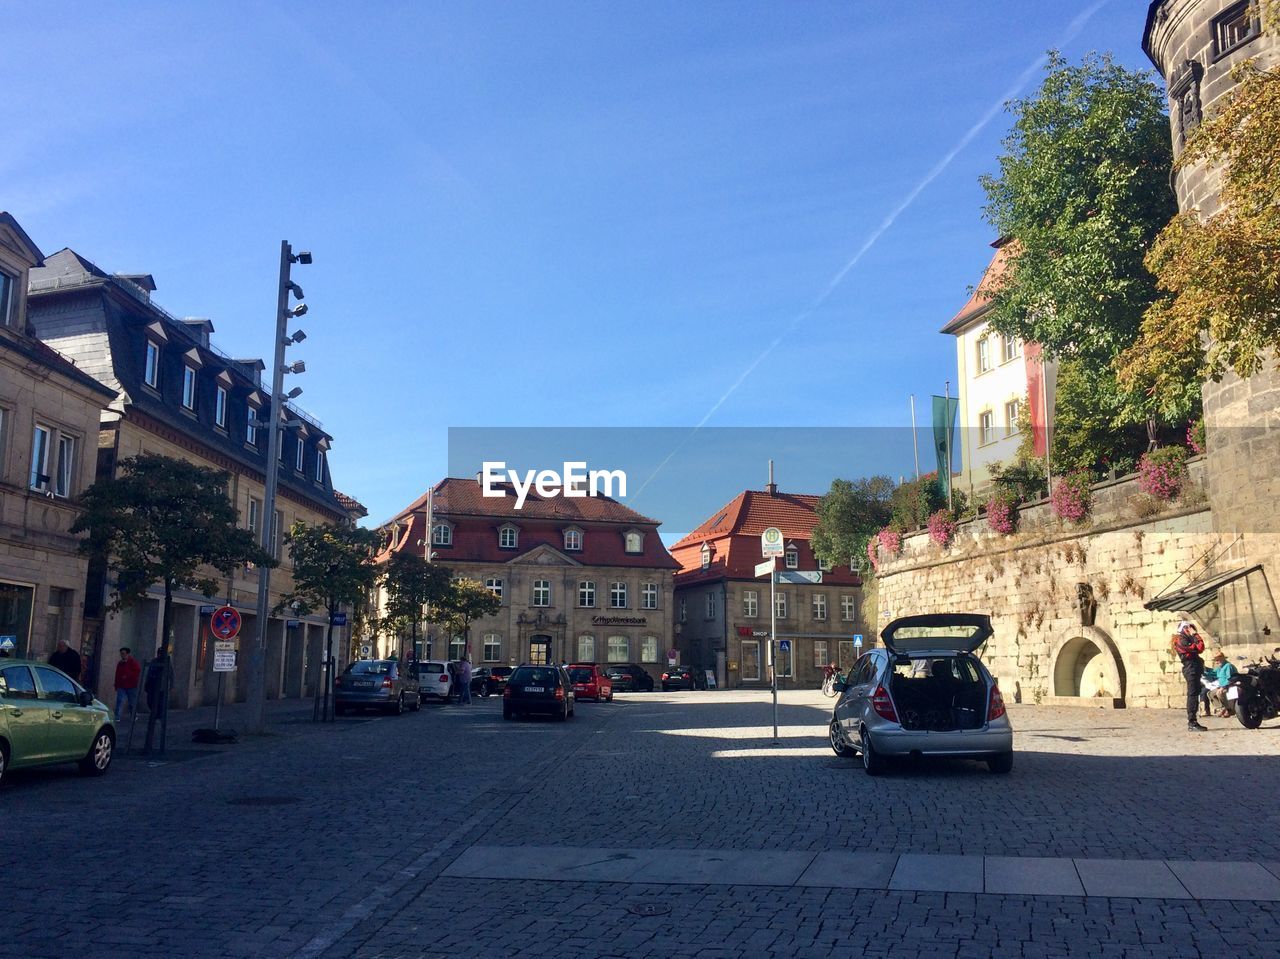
point(333, 567)
point(411, 584)
point(466, 601)
point(850, 513)
point(167, 521)
point(1220, 275)
point(913, 503)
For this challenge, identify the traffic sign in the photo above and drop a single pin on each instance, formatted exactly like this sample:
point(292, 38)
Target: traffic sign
point(224, 657)
point(207, 610)
point(857, 640)
point(293, 623)
point(799, 576)
point(8, 643)
point(225, 622)
point(784, 645)
point(767, 567)
point(338, 619)
point(771, 542)
point(366, 650)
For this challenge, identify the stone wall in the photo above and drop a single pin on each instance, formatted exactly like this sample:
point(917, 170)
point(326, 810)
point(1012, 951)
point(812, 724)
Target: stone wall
point(1066, 600)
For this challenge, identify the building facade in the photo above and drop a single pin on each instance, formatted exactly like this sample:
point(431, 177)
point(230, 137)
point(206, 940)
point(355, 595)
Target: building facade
point(49, 412)
point(175, 394)
point(722, 608)
point(582, 579)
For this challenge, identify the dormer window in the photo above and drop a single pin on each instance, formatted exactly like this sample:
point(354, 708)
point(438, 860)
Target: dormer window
point(220, 407)
point(151, 369)
point(706, 556)
point(299, 455)
point(633, 541)
point(793, 558)
point(189, 387)
point(7, 298)
point(320, 457)
point(442, 535)
point(572, 540)
point(251, 425)
point(508, 537)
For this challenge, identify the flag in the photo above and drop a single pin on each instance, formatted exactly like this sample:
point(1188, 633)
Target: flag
point(944, 440)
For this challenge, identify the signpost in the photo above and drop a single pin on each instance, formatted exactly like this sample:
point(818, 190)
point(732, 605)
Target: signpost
point(224, 657)
point(224, 623)
point(365, 650)
point(804, 577)
point(771, 568)
point(7, 644)
point(771, 543)
point(338, 619)
point(857, 640)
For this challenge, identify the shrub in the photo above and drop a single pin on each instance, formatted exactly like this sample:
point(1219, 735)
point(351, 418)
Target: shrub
point(1195, 437)
point(890, 540)
point(942, 527)
point(1002, 512)
point(1163, 472)
point(873, 552)
point(1071, 496)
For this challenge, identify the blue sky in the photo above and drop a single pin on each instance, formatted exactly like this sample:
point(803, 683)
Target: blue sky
point(541, 214)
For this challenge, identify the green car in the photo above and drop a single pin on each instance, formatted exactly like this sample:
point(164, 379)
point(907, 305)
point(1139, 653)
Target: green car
point(46, 717)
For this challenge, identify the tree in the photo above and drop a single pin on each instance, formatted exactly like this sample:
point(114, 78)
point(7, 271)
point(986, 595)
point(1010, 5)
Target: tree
point(849, 514)
point(1220, 276)
point(466, 601)
point(167, 521)
point(911, 504)
point(333, 567)
point(412, 584)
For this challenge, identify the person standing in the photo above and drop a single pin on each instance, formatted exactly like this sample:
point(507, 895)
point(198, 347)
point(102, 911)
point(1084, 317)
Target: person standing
point(464, 680)
point(128, 675)
point(1188, 646)
point(66, 659)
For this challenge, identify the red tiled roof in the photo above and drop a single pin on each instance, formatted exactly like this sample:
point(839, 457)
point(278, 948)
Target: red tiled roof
point(980, 299)
point(733, 533)
point(350, 503)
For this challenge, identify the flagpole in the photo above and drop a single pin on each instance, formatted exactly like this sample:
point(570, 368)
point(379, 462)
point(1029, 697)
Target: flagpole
point(946, 436)
point(915, 443)
point(1044, 411)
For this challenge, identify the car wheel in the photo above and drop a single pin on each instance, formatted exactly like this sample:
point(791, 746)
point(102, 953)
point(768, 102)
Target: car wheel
point(872, 761)
point(98, 759)
point(417, 703)
point(564, 713)
point(1001, 762)
point(4, 762)
point(398, 708)
point(839, 742)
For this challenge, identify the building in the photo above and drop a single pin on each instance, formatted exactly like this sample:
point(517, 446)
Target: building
point(49, 413)
point(176, 395)
point(722, 607)
point(581, 579)
point(996, 377)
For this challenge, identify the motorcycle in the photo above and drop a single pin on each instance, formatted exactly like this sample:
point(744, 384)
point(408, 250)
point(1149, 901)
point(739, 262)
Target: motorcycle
point(1256, 693)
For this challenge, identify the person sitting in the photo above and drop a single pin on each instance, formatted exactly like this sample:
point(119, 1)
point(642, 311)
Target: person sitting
point(1218, 676)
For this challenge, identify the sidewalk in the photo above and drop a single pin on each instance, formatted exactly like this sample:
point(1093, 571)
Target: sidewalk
point(284, 717)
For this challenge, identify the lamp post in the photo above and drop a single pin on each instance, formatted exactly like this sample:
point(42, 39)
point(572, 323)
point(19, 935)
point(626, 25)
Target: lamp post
point(256, 692)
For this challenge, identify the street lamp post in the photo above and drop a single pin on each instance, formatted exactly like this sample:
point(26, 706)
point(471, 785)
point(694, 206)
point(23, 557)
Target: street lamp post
point(256, 693)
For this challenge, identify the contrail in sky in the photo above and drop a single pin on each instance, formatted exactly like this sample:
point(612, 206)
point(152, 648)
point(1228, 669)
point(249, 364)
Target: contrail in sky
point(1072, 31)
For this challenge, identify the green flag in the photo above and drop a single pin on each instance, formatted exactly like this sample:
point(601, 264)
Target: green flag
point(944, 442)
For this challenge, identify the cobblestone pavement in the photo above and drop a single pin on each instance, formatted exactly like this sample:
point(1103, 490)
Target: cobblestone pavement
point(330, 841)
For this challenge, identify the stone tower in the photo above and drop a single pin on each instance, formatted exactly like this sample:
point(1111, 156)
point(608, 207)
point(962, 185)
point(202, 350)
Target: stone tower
point(1195, 44)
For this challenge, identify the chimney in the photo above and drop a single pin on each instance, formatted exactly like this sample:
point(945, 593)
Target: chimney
point(772, 488)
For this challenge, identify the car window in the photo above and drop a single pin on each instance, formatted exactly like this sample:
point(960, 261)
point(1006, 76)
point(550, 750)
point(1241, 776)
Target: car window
point(19, 683)
point(583, 674)
point(369, 668)
point(54, 686)
point(535, 676)
point(431, 667)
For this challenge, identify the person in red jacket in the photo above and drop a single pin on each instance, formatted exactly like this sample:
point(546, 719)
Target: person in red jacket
point(128, 674)
point(1187, 646)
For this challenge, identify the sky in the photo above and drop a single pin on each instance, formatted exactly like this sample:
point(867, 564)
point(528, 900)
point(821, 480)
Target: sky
point(550, 214)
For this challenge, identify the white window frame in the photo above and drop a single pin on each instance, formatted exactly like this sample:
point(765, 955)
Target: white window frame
point(819, 605)
point(649, 649)
point(705, 556)
point(442, 534)
point(618, 595)
point(541, 596)
point(984, 354)
point(618, 649)
point(986, 427)
point(755, 678)
point(1011, 411)
point(251, 425)
point(253, 517)
point(494, 584)
point(793, 558)
point(573, 540)
point(299, 456)
point(188, 387)
point(587, 594)
point(649, 596)
point(492, 647)
point(151, 365)
point(8, 297)
point(64, 476)
point(750, 604)
point(630, 537)
point(1009, 348)
point(220, 399)
point(820, 653)
point(457, 646)
point(586, 648)
point(508, 532)
point(780, 601)
point(320, 460)
point(39, 465)
point(848, 607)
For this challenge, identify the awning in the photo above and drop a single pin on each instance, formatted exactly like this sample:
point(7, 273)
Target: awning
point(1200, 593)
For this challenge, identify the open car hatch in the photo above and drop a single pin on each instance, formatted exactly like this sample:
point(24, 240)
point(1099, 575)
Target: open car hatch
point(936, 632)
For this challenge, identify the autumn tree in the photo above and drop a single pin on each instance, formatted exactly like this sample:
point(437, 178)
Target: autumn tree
point(850, 513)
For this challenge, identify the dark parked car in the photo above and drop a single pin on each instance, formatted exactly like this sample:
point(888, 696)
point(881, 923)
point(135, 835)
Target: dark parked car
point(538, 689)
point(590, 682)
point(680, 677)
point(629, 678)
point(376, 684)
point(498, 676)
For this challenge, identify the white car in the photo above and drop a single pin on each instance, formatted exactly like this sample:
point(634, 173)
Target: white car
point(435, 680)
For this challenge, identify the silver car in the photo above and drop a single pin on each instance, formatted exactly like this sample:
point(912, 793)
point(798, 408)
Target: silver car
point(924, 693)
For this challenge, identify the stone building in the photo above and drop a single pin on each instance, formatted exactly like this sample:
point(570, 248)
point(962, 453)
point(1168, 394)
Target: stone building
point(722, 608)
point(49, 411)
point(1195, 44)
point(173, 393)
point(582, 579)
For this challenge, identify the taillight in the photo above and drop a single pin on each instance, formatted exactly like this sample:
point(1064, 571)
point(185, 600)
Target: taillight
point(386, 683)
point(665, 676)
point(883, 705)
point(559, 692)
point(996, 710)
point(444, 678)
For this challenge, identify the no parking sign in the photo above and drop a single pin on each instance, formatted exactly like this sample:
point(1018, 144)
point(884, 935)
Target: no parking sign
point(224, 623)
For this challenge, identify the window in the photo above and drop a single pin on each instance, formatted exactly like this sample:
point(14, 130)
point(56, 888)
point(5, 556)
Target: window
point(1008, 348)
point(1011, 417)
point(649, 596)
point(711, 605)
point(457, 646)
point(492, 647)
point(251, 426)
point(587, 593)
point(220, 407)
point(508, 537)
point(442, 535)
point(41, 440)
point(750, 603)
point(6, 298)
point(188, 387)
point(619, 649)
point(618, 595)
point(299, 455)
point(255, 511)
point(649, 649)
point(793, 559)
point(18, 682)
point(55, 685)
point(820, 606)
point(62, 479)
point(784, 662)
point(848, 607)
point(984, 355)
point(4, 437)
point(683, 615)
point(320, 458)
point(823, 564)
point(572, 540)
point(634, 542)
point(586, 649)
point(494, 585)
point(1235, 27)
point(751, 661)
point(986, 427)
point(706, 556)
point(151, 371)
point(542, 592)
point(820, 653)
point(780, 601)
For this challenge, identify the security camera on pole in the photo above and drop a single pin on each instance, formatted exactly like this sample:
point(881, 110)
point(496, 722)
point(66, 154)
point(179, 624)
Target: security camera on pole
point(256, 665)
point(771, 547)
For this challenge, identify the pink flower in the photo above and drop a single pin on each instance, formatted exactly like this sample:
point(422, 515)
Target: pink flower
point(1002, 513)
point(1071, 496)
point(1163, 472)
point(942, 527)
point(890, 541)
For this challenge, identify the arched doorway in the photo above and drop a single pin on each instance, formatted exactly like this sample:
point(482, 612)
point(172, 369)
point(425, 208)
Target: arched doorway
point(1087, 666)
point(540, 649)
